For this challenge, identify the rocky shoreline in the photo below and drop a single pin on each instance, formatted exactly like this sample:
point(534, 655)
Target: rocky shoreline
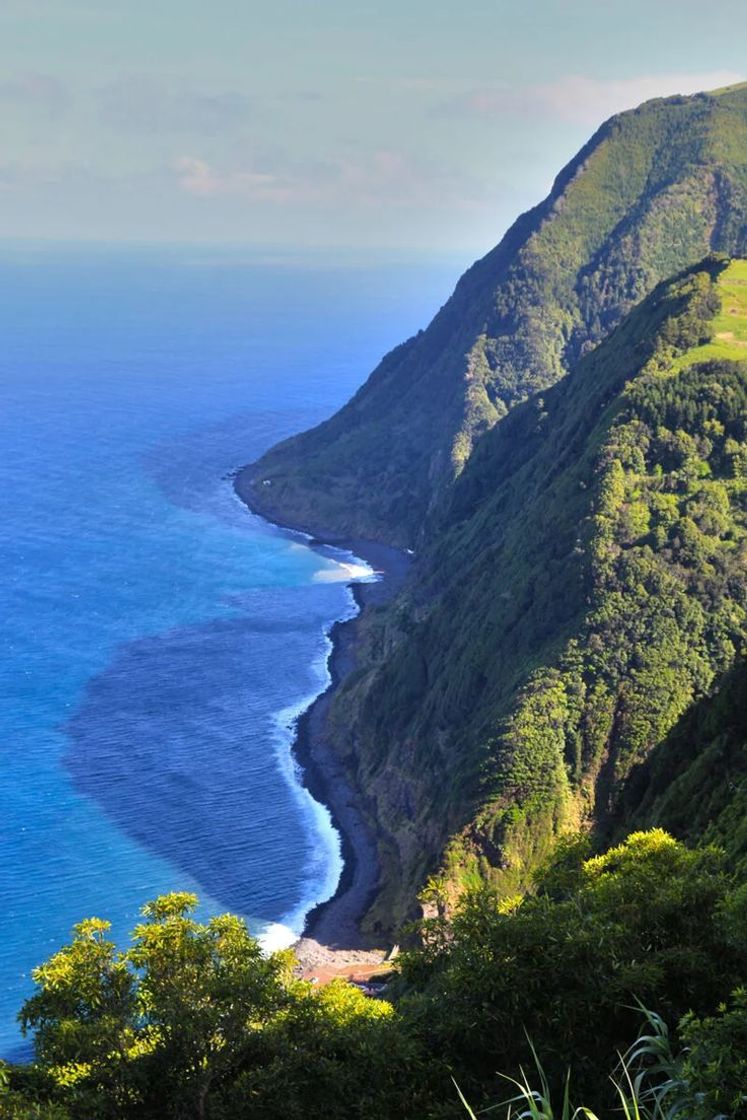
point(332, 938)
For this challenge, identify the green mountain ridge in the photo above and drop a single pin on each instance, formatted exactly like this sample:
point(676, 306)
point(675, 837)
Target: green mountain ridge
point(652, 192)
point(585, 586)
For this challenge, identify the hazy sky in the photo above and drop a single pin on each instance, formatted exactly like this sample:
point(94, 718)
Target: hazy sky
point(416, 123)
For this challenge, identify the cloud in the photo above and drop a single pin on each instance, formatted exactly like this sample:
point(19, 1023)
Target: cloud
point(142, 106)
point(35, 91)
point(383, 177)
point(577, 99)
point(28, 176)
point(198, 177)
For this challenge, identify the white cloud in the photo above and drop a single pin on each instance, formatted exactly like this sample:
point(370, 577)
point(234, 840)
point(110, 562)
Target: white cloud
point(385, 177)
point(577, 99)
point(155, 107)
point(197, 176)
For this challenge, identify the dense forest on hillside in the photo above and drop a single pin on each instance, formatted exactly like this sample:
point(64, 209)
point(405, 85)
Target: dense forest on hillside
point(586, 587)
point(652, 192)
point(695, 781)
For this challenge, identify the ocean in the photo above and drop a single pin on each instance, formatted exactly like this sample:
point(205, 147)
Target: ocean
point(158, 640)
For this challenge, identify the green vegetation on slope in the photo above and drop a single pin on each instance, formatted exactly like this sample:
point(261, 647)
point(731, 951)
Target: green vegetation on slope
point(587, 587)
point(193, 1022)
point(651, 193)
point(695, 782)
point(729, 341)
point(568, 966)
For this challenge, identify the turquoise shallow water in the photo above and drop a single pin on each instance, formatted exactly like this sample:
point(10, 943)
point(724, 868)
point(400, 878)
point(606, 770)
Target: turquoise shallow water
point(156, 638)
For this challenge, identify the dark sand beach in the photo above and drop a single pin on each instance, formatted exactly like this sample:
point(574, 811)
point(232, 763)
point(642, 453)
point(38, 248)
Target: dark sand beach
point(332, 939)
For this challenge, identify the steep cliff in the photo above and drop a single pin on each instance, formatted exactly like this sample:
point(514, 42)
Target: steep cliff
point(584, 585)
point(652, 192)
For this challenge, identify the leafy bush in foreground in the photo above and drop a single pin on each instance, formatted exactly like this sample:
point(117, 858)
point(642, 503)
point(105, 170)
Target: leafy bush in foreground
point(193, 1022)
point(649, 921)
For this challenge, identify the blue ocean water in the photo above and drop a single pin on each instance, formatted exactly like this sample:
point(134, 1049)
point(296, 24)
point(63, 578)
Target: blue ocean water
point(157, 639)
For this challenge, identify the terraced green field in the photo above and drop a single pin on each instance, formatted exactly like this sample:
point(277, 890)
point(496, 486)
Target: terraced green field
point(729, 342)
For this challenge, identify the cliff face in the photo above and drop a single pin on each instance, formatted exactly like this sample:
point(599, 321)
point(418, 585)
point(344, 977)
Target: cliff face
point(585, 585)
point(651, 193)
point(581, 579)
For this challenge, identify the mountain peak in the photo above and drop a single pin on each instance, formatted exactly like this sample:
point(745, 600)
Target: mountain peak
point(653, 191)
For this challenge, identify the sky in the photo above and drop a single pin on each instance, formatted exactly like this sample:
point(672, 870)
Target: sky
point(399, 125)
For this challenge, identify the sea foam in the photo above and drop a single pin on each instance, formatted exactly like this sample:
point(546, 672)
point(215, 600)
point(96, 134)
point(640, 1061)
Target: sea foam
point(324, 867)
